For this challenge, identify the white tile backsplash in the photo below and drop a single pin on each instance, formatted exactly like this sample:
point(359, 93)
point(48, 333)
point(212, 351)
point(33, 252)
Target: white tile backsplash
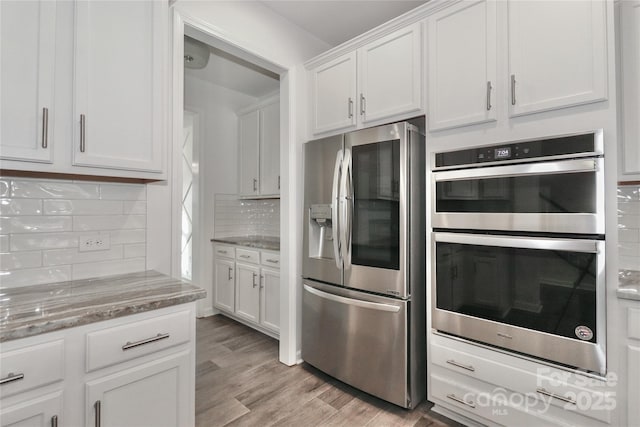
point(41, 222)
point(629, 227)
point(234, 217)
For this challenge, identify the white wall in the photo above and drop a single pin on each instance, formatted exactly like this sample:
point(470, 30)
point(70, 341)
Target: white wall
point(217, 169)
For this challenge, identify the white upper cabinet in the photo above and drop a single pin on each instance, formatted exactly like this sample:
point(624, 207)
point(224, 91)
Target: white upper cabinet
point(27, 61)
point(390, 75)
point(333, 93)
point(630, 94)
point(462, 65)
point(379, 82)
point(557, 54)
point(119, 65)
point(270, 149)
point(248, 154)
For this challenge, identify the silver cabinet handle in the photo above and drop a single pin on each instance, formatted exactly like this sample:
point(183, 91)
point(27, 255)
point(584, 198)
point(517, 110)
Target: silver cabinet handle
point(460, 365)
point(129, 345)
point(97, 409)
point(261, 281)
point(254, 280)
point(272, 261)
point(513, 89)
point(45, 127)
point(350, 107)
point(459, 400)
point(83, 129)
point(489, 87)
point(11, 377)
point(230, 271)
point(555, 396)
point(54, 421)
point(222, 252)
point(244, 256)
point(278, 182)
point(255, 184)
point(363, 105)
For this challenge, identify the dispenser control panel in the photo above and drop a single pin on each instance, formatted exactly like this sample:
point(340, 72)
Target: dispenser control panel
point(321, 212)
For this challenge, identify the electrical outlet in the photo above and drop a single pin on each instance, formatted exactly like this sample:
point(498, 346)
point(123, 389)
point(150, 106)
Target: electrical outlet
point(94, 242)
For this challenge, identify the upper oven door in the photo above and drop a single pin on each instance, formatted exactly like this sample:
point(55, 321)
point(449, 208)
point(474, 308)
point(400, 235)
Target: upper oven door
point(565, 196)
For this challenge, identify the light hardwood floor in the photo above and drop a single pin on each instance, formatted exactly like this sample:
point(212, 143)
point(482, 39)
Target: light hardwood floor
point(239, 382)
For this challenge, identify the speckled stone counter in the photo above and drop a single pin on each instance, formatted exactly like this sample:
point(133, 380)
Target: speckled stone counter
point(258, 242)
point(629, 284)
point(33, 310)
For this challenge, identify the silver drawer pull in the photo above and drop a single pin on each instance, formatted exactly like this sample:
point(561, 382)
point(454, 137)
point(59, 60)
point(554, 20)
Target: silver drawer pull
point(11, 378)
point(54, 421)
point(244, 256)
point(555, 396)
point(222, 252)
point(98, 413)
point(460, 365)
point(459, 400)
point(130, 345)
point(272, 261)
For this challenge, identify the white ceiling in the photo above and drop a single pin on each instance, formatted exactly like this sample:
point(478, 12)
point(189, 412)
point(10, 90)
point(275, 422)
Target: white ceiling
point(333, 22)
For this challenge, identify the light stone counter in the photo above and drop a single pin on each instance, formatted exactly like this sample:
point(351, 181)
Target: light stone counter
point(629, 284)
point(33, 310)
point(258, 242)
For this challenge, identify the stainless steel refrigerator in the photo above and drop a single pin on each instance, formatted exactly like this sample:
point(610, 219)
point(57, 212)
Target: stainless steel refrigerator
point(363, 304)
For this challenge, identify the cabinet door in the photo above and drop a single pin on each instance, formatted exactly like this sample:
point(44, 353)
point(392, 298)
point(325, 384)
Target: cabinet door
point(333, 94)
point(152, 394)
point(391, 75)
point(630, 93)
point(248, 292)
point(119, 84)
point(557, 54)
point(462, 65)
point(224, 286)
point(270, 299)
point(44, 411)
point(270, 150)
point(249, 146)
point(27, 60)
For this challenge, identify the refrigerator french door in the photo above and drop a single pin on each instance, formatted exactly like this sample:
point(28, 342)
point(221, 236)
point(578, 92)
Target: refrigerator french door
point(364, 249)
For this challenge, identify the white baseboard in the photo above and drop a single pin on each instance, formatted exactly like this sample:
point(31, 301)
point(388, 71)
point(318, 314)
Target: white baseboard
point(206, 312)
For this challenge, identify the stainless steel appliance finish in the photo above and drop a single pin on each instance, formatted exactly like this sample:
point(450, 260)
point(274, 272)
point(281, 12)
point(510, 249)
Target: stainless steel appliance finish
point(516, 194)
point(518, 249)
point(364, 243)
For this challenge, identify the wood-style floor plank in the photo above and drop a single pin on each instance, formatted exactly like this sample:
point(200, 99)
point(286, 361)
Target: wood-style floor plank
point(240, 382)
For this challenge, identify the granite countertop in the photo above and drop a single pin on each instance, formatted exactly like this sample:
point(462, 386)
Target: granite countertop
point(258, 242)
point(629, 284)
point(33, 310)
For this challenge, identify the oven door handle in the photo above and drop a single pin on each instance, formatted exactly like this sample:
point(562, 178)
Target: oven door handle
point(543, 168)
point(544, 243)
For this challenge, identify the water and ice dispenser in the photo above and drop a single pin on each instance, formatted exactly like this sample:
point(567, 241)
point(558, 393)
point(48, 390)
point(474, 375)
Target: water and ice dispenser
point(320, 232)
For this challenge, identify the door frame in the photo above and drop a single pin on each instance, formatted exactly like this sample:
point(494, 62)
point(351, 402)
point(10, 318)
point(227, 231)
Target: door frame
point(289, 294)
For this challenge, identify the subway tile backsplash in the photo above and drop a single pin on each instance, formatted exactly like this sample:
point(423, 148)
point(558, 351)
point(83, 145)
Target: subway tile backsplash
point(629, 227)
point(234, 217)
point(43, 221)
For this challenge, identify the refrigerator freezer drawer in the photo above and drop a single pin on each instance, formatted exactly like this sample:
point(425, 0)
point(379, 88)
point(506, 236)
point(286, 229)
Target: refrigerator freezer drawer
point(358, 338)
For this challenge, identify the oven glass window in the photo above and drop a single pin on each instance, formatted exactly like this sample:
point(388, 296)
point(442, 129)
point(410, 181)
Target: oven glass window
point(554, 193)
point(376, 210)
point(544, 290)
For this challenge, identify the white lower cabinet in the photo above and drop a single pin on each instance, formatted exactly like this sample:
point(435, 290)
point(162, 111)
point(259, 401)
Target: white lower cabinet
point(151, 394)
point(43, 411)
point(136, 370)
point(247, 286)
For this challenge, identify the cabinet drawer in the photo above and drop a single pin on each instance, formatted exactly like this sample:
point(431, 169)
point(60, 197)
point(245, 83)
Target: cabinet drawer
point(121, 343)
point(223, 251)
point(246, 255)
point(633, 323)
point(30, 367)
point(271, 259)
point(587, 396)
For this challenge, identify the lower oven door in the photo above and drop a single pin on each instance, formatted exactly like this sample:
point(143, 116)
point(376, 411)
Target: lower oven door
point(543, 297)
point(358, 338)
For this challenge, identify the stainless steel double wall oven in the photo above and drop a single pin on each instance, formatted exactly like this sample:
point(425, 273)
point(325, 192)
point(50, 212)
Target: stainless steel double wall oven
point(518, 248)
point(363, 303)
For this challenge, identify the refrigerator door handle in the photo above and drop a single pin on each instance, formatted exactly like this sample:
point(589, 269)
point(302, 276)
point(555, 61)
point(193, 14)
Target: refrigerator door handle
point(350, 301)
point(346, 188)
point(335, 215)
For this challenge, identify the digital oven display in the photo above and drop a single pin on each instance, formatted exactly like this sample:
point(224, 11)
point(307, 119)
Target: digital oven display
point(502, 153)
